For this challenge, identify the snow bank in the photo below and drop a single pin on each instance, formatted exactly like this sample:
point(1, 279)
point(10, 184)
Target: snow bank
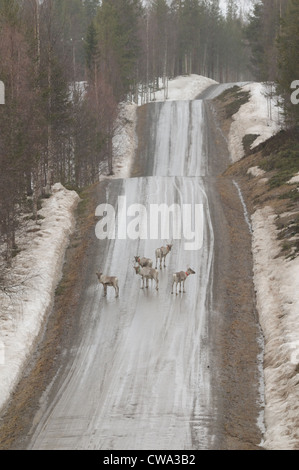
point(260, 116)
point(185, 88)
point(294, 180)
point(36, 270)
point(277, 289)
point(256, 172)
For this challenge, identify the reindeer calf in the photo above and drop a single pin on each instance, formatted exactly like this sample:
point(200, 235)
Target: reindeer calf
point(108, 281)
point(148, 274)
point(180, 278)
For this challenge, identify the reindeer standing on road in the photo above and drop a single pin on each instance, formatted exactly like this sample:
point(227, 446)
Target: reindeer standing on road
point(108, 281)
point(148, 274)
point(161, 254)
point(180, 278)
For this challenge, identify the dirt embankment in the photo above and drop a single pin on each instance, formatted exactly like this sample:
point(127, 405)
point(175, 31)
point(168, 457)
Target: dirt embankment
point(268, 176)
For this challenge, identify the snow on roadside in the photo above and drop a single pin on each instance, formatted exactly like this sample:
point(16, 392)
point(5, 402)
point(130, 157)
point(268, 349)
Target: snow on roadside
point(277, 288)
point(37, 269)
point(294, 180)
point(260, 116)
point(185, 88)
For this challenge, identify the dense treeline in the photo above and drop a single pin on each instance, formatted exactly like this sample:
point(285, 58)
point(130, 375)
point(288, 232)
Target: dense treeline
point(272, 33)
point(67, 64)
point(192, 36)
point(40, 125)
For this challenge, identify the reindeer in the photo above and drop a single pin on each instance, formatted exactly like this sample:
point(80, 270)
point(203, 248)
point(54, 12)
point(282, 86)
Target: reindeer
point(148, 274)
point(179, 278)
point(144, 262)
point(161, 254)
point(108, 281)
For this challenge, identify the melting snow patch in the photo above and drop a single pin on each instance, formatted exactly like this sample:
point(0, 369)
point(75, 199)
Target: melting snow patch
point(260, 116)
point(256, 172)
point(185, 88)
point(294, 180)
point(277, 288)
point(36, 271)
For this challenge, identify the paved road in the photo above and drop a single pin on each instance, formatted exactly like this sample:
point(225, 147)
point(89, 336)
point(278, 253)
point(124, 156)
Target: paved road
point(146, 370)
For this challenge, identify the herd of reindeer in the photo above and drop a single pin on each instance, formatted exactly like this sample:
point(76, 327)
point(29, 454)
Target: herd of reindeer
point(144, 268)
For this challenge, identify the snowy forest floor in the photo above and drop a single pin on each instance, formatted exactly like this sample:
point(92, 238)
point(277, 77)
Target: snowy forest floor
point(30, 283)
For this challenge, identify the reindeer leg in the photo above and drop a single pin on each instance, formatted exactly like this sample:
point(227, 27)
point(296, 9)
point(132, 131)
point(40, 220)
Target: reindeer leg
point(184, 288)
point(105, 291)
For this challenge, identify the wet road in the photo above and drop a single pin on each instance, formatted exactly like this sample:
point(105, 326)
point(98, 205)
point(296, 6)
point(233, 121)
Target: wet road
point(143, 371)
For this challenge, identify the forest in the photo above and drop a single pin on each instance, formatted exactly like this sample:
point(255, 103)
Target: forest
point(68, 64)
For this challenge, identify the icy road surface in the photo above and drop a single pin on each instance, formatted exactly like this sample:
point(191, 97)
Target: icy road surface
point(141, 375)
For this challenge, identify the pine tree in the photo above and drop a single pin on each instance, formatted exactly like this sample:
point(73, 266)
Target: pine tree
point(233, 61)
point(91, 46)
point(288, 58)
point(9, 12)
point(118, 41)
point(90, 8)
point(261, 34)
point(159, 40)
point(254, 35)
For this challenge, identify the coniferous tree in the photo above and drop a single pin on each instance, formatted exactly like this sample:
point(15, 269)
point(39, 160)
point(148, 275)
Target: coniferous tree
point(288, 59)
point(91, 46)
point(261, 33)
point(90, 8)
point(117, 23)
point(56, 129)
